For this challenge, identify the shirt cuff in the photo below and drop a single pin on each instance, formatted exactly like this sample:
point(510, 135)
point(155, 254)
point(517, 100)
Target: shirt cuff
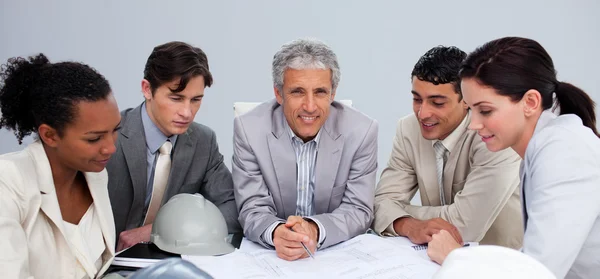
point(267, 235)
point(322, 232)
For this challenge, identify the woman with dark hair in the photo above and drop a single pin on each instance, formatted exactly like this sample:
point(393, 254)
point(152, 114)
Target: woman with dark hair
point(510, 84)
point(55, 214)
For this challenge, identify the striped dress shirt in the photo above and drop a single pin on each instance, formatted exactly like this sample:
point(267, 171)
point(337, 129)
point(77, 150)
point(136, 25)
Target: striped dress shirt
point(306, 159)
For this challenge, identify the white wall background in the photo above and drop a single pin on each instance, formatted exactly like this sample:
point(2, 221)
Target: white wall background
point(377, 43)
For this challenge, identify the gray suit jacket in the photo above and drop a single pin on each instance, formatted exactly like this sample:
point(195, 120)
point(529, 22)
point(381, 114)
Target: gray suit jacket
point(560, 177)
point(264, 171)
point(197, 167)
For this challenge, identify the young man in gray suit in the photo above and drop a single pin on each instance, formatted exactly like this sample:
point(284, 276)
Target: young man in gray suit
point(161, 151)
point(304, 165)
point(465, 188)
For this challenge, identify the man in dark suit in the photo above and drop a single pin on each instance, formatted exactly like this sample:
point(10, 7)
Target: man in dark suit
point(161, 152)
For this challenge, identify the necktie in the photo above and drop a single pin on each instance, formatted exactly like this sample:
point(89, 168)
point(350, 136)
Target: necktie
point(440, 160)
point(159, 184)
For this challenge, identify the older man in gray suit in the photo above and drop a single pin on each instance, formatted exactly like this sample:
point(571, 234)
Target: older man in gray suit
point(161, 152)
point(304, 165)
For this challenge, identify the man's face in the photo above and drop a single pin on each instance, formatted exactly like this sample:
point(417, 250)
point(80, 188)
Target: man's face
point(437, 107)
point(306, 98)
point(173, 112)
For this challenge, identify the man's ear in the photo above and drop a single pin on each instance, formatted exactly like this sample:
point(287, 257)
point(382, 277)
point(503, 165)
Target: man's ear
point(532, 102)
point(332, 96)
point(48, 135)
point(278, 95)
point(146, 89)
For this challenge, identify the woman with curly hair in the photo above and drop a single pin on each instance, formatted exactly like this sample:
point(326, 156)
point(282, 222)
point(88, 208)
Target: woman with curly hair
point(55, 214)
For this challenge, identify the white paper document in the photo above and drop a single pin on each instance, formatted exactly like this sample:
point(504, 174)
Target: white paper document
point(363, 257)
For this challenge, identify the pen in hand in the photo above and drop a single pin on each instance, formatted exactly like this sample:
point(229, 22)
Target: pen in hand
point(305, 248)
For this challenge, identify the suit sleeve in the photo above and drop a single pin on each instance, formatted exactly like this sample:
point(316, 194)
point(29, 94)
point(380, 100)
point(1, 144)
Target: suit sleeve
point(14, 257)
point(355, 213)
point(397, 186)
point(493, 179)
point(255, 204)
point(218, 187)
point(561, 200)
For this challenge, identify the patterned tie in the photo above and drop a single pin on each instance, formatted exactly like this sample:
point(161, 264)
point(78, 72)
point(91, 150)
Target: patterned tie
point(440, 160)
point(161, 176)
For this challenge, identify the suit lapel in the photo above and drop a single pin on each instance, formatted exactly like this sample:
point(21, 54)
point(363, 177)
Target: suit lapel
point(428, 171)
point(544, 119)
point(451, 167)
point(45, 180)
point(329, 154)
point(523, 201)
point(181, 161)
point(284, 162)
point(51, 208)
point(97, 186)
point(133, 143)
point(452, 161)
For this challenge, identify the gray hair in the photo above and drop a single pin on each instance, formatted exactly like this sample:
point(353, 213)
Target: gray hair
point(305, 54)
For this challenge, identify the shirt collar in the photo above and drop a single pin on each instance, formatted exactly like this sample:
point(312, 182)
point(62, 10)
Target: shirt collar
point(450, 141)
point(154, 137)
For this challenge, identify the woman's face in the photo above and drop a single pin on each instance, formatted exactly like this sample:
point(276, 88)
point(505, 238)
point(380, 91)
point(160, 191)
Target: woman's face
point(498, 120)
point(89, 140)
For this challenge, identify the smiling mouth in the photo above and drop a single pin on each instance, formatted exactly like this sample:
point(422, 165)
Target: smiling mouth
point(308, 119)
point(486, 138)
point(428, 125)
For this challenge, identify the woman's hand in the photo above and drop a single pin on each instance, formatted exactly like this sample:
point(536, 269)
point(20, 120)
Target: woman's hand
point(441, 245)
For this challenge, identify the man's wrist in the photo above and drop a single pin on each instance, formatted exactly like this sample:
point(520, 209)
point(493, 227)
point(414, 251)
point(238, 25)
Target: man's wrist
point(402, 225)
point(275, 229)
point(315, 228)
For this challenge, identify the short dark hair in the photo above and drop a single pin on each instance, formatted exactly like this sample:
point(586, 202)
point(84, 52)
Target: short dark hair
point(513, 66)
point(440, 65)
point(176, 60)
point(34, 91)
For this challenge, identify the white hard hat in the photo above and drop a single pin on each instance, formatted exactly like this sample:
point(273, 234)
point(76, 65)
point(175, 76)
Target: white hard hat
point(172, 268)
point(188, 224)
point(491, 262)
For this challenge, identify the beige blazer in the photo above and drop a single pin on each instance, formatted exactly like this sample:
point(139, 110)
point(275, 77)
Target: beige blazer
point(482, 187)
point(32, 242)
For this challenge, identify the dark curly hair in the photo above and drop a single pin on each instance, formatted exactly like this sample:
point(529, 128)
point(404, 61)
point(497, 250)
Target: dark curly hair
point(34, 91)
point(514, 65)
point(176, 60)
point(440, 65)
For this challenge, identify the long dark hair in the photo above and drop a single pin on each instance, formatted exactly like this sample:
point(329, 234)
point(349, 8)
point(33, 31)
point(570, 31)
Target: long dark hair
point(513, 66)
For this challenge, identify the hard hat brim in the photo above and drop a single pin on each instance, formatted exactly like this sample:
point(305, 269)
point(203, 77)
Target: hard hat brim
point(203, 249)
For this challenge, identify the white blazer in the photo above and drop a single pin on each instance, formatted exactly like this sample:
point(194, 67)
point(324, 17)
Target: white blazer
point(560, 177)
point(32, 239)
